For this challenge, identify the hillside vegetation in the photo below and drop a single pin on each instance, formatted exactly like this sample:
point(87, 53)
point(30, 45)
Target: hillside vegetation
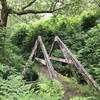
point(81, 39)
point(79, 30)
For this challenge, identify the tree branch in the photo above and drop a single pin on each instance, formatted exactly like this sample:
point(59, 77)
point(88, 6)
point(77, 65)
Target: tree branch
point(98, 4)
point(23, 12)
point(29, 4)
point(53, 5)
point(31, 11)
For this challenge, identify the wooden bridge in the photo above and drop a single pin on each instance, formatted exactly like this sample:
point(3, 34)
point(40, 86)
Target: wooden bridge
point(69, 59)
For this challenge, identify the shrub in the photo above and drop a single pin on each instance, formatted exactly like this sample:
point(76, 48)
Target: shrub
point(12, 57)
point(65, 29)
point(15, 88)
point(88, 22)
point(6, 71)
point(90, 53)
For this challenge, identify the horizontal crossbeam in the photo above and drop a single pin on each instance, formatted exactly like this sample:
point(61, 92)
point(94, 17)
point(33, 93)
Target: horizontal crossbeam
point(61, 60)
point(54, 59)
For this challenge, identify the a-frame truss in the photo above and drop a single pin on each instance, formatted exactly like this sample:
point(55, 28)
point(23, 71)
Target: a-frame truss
point(48, 63)
point(69, 59)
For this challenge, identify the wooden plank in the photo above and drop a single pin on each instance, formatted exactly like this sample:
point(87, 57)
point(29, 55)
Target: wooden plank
point(53, 44)
point(32, 53)
point(77, 64)
point(29, 61)
point(65, 54)
point(47, 59)
point(40, 60)
point(61, 60)
point(34, 50)
point(53, 58)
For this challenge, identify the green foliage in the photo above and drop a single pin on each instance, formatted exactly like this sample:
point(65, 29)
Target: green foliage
point(18, 45)
point(2, 42)
point(50, 89)
point(9, 53)
point(6, 71)
point(12, 88)
point(70, 30)
point(89, 21)
point(15, 88)
point(12, 57)
point(20, 36)
point(90, 54)
point(11, 84)
point(64, 27)
point(83, 98)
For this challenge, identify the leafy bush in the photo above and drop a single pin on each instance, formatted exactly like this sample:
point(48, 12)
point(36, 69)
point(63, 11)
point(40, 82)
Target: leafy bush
point(15, 88)
point(89, 22)
point(6, 71)
point(64, 27)
point(12, 57)
point(90, 54)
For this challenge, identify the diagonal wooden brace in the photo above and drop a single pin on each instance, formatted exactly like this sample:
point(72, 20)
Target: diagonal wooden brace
point(47, 59)
point(29, 61)
point(77, 64)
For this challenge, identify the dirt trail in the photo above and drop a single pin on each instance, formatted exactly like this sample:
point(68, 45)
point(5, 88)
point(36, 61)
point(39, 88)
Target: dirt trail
point(69, 91)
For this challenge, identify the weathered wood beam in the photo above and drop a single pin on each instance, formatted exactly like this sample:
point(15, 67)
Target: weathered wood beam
point(62, 49)
point(34, 50)
point(47, 59)
point(61, 60)
point(54, 59)
point(52, 47)
point(77, 64)
point(40, 60)
point(29, 61)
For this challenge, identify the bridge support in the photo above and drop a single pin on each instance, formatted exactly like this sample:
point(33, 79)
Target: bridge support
point(69, 59)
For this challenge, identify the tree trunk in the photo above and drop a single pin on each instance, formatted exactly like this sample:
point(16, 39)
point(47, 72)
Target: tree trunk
point(4, 13)
point(3, 23)
point(4, 17)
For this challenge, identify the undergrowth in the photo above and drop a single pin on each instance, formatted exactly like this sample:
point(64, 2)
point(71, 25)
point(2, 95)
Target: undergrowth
point(15, 88)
